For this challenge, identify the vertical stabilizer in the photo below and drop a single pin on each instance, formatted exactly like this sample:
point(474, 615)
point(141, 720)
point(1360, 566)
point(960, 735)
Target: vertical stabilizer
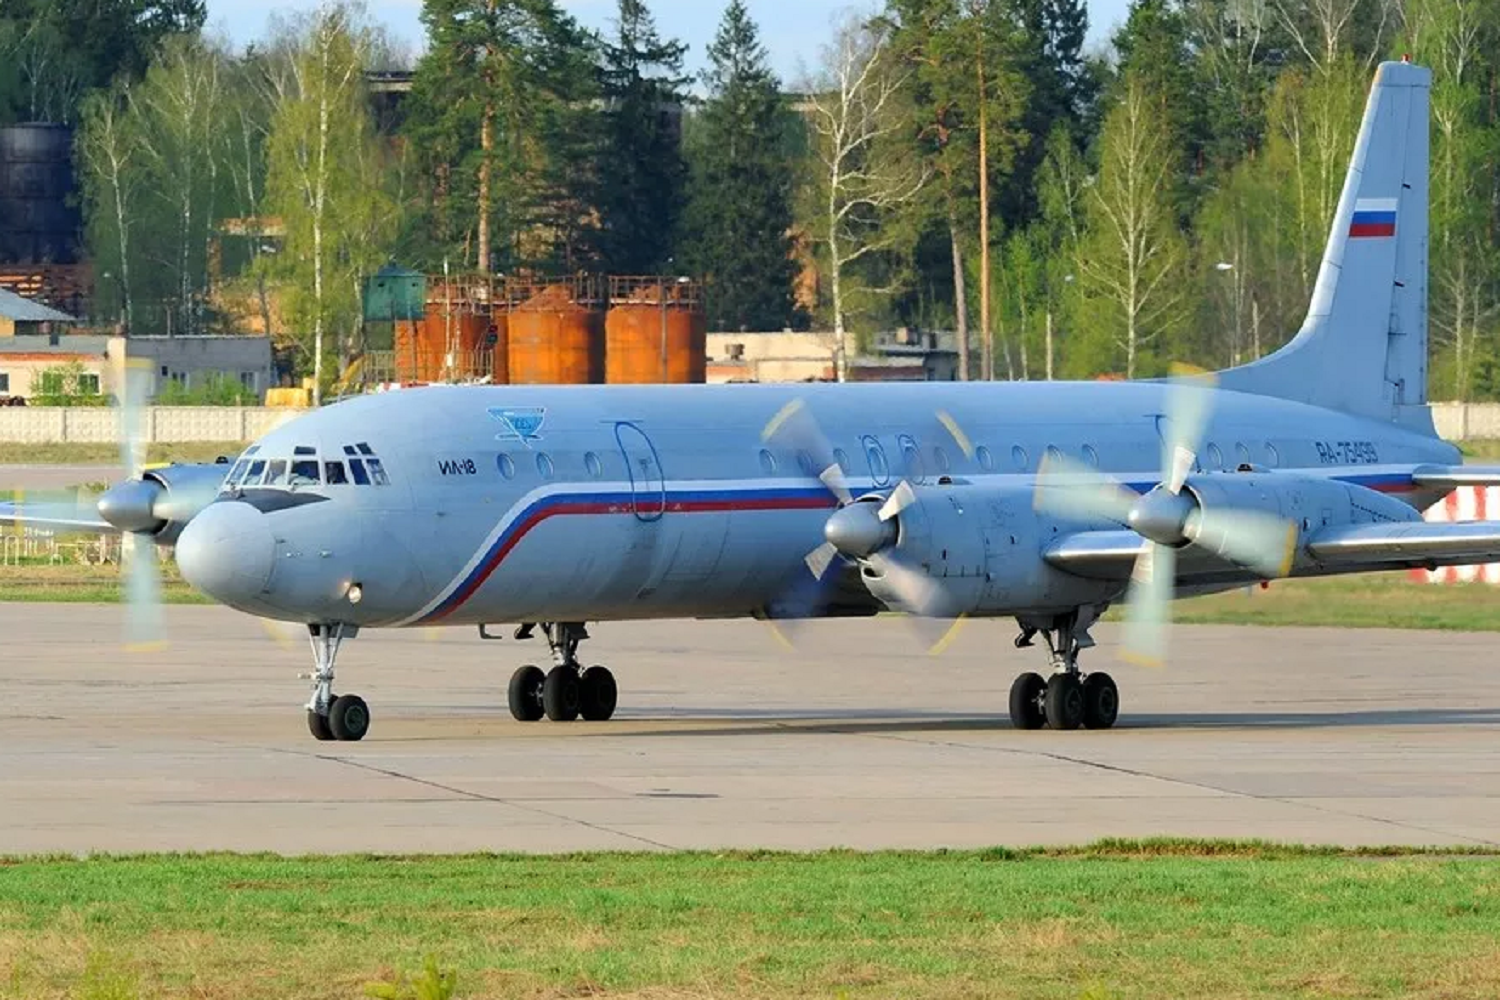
point(1363, 347)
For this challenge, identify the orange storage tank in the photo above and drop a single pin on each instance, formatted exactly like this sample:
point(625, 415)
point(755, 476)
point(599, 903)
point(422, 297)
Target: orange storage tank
point(499, 348)
point(652, 317)
point(442, 348)
point(555, 335)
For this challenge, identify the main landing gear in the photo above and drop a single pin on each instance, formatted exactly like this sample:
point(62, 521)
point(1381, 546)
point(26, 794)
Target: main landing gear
point(567, 691)
point(1068, 698)
point(333, 717)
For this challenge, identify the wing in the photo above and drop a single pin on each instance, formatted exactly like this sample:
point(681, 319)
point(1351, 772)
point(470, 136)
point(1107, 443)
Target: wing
point(1448, 477)
point(1360, 548)
point(61, 515)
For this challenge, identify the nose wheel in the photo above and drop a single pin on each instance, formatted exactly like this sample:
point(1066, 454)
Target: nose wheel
point(567, 691)
point(344, 718)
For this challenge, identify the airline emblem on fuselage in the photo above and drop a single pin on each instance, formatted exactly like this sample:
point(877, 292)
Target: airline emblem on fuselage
point(523, 424)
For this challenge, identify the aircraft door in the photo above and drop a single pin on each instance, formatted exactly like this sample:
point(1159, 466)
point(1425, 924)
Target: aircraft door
point(648, 490)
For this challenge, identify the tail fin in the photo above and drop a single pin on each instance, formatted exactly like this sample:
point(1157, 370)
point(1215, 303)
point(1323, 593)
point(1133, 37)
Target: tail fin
point(1363, 347)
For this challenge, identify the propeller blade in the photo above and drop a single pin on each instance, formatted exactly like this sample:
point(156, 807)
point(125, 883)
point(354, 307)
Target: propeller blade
point(902, 497)
point(956, 432)
point(143, 613)
point(922, 602)
point(1254, 539)
point(1148, 607)
point(1068, 488)
point(820, 558)
point(135, 383)
point(833, 478)
point(1188, 401)
point(287, 635)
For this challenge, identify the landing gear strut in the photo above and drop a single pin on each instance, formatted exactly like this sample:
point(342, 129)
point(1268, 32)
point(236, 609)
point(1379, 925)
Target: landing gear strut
point(329, 716)
point(567, 691)
point(1067, 698)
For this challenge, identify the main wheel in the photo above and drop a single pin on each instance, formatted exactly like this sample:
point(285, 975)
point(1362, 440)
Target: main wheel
point(349, 718)
point(597, 695)
point(1026, 702)
point(525, 694)
point(1101, 701)
point(1064, 702)
point(560, 694)
point(318, 726)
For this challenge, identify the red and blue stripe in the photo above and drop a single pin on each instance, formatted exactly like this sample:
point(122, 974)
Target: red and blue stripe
point(687, 501)
point(1373, 220)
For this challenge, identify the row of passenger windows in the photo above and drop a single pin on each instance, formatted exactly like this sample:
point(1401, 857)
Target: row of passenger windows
point(358, 467)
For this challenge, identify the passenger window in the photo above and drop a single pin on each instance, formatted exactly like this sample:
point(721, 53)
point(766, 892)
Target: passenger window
point(544, 466)
point(940, 459)
point(506, 466)
point(806, 464)
point(377, 472)
point(257, 469)
point(276, 472)
point(842, 459)
point(767, 462)
point(1019, 457)
point(305, 472)
point(880, 469)
point(333, 473)
point(1215, 459)
point(592, 464)
point(911, 459)
point(357, 470)
point(1091, 456)
point(1241, 453)
point(1273, 457)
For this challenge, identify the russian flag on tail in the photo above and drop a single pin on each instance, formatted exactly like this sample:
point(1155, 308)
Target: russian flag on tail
point(1374, 218)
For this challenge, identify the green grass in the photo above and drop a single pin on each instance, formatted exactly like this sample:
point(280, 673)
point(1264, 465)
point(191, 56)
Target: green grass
point(16, 453)
point(1113, 921)
point(74, 584)
point(1380, 600)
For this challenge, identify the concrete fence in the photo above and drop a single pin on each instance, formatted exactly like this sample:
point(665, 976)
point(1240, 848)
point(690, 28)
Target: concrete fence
point(171, 424)
point(168, 424)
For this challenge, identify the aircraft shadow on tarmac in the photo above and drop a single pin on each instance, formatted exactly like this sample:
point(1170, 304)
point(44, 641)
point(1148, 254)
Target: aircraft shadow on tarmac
point(742, 722)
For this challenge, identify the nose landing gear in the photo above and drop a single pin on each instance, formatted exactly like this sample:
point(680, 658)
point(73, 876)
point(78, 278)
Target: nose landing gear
point(567, 691)
point(329, 716)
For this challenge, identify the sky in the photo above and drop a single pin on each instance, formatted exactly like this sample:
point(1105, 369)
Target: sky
point(792, 30)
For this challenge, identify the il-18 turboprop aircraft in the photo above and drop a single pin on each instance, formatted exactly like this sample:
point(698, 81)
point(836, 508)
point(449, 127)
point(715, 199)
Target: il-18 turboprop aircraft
point(552, 507)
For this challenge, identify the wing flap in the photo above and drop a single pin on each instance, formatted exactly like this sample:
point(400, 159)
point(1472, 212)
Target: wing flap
point(1414, 543)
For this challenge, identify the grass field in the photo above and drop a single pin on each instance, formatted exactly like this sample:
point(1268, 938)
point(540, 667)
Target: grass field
point(1111, 921)
point(86, 584)
point(16, 453)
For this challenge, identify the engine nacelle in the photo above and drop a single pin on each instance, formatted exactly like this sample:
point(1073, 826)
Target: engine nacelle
point(964, 549)
point(1309, 502)
point(163, 500)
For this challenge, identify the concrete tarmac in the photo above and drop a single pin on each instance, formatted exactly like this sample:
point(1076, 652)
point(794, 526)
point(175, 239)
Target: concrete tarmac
point(725, 739)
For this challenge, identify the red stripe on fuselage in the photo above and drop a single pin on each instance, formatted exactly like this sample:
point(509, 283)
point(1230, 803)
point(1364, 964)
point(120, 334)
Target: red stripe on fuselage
point(467, 591)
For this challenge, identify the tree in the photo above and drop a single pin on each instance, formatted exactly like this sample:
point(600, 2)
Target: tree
point(641, 192)
point(323, 178)
point(1133, 258)
point(865, 172)
point(739, 214)
point(504, 97)
point(112, 180)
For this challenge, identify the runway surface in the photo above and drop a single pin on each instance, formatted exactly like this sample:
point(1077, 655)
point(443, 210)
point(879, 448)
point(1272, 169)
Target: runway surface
point(726, 739)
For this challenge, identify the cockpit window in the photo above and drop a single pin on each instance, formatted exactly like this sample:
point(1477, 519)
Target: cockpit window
point(364, 449)
point(303, 449)
point(334, 475)
point(276, 472)
point(305, 472)
point(257, 469)
point(236, 474)
point(357, 470)
point(377, 472)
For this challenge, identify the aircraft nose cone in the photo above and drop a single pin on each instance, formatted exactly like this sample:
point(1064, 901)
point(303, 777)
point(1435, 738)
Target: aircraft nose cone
point(129, 505)
point(857, 530)
point(227, 551)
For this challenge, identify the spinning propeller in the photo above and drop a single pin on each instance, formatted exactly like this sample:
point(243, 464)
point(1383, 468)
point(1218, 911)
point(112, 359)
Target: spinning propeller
point(1168, 517)
point(861, 528)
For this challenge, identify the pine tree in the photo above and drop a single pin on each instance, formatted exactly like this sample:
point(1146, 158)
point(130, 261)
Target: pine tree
point(739, 215)
point(641, 190)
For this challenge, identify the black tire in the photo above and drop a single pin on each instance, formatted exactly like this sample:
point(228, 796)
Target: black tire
point(1064, 702)
point(560, 694)
point(318, 726)
point(597, 695)
point(349, 718)
point(1101, 701)
point(1026, 702)
point(525, 694)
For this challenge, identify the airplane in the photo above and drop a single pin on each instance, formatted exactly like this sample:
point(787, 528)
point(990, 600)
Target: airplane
point(559, 507)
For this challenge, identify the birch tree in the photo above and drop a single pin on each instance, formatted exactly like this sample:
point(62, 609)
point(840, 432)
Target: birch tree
point(111, 183)
point(864, 173)
point(1133, 259)
point(321, 180)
